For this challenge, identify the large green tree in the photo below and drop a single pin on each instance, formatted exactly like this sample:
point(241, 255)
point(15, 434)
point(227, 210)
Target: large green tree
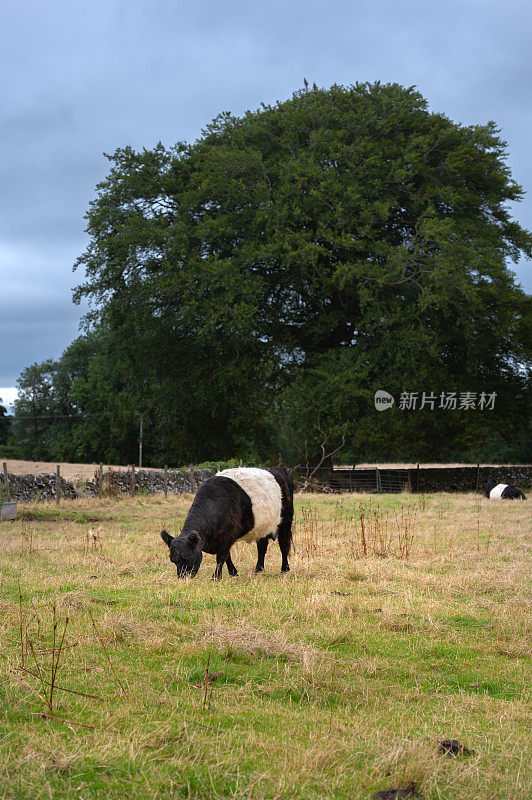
point(257, 286)
point(77, 408)
point(34, 410)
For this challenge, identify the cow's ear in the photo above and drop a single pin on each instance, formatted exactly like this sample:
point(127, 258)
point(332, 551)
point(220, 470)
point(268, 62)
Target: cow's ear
point(167, 539)
point(193, 539)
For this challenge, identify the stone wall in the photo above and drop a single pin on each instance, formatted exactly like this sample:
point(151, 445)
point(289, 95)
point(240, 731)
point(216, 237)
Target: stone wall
point(464, 479)
point(426, 479)
point(148, 481)
point(27, 488)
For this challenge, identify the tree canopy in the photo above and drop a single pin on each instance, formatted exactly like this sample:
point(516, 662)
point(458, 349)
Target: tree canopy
point(250, 291)
point(4, 423)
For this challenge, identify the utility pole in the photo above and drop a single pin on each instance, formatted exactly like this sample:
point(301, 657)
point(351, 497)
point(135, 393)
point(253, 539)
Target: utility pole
point(140, 440)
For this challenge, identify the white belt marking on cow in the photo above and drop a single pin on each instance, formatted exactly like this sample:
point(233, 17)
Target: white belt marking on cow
point(496, 492)
point(266, 500)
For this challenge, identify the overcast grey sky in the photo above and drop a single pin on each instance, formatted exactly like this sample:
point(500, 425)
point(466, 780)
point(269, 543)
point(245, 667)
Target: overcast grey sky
point(82, 78)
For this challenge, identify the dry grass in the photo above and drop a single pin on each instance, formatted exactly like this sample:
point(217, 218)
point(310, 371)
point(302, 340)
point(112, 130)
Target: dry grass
point(335, 680)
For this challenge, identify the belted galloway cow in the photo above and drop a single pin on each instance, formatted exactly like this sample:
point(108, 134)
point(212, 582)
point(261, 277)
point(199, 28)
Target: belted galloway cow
point(248, 504)
point(501, 491)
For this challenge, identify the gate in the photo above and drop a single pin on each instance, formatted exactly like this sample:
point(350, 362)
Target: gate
point(389, 481)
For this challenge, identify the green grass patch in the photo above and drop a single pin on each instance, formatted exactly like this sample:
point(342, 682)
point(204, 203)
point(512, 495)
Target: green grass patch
point(334, 681)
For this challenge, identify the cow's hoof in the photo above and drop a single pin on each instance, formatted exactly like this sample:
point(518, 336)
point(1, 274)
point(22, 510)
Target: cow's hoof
point(285, 569)
point(258, 569)
point(233, 574)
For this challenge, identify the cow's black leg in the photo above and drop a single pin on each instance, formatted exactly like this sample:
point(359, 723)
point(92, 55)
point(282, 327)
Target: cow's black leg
point(262, 546)
point(285, 540)
point(221, 558)
point(231, 567)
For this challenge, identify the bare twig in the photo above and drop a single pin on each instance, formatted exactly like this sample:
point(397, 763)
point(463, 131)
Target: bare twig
point(21, 626)
point(44, 650)
point(324, 455)
point(63, 688)
point(37, 617)
point(39, 673)
point(53, 656)
point(78, 724)
point(206, 686)
point(363, 534)
point(55, 666)
point(107, 654)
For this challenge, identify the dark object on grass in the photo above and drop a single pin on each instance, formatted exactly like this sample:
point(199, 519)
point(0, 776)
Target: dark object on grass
point(504, 491)
point(395, 794)
point(341, 594)
point(249, 504)
point(452, 747)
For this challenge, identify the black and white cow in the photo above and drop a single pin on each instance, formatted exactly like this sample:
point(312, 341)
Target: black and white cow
point(501, 491)
point(247, 504)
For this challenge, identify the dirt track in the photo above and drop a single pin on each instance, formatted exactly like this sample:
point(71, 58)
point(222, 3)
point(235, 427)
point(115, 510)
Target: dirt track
point(69, 471)
point(72, 471)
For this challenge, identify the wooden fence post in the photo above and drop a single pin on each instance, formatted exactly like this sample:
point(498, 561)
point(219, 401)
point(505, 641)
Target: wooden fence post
point(165, 481)
point(217, 466)
point(100, 480)
point(478, 475)
point(6, 483)
point(417, 478)
point(191, 476)
point(132, 484)
point(378, 479)
point(57, 486)
point(240, 462)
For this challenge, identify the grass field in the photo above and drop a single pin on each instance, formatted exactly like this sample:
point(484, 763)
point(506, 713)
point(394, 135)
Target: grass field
point(334, 681)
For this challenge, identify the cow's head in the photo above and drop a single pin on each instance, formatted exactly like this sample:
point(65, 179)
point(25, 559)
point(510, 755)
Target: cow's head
point(490, 484)
point(185, 552)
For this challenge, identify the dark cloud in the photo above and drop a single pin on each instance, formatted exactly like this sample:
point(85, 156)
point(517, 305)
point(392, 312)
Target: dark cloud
point(79, 80)
point(38, 319)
